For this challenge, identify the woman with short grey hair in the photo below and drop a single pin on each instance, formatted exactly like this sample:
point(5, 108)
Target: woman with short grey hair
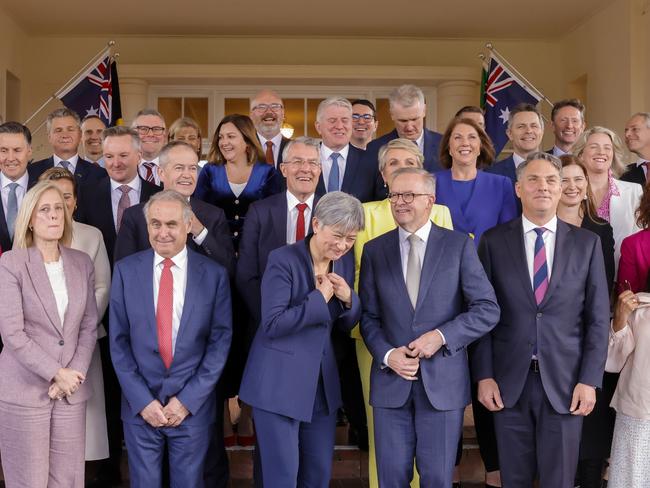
point(291, 378)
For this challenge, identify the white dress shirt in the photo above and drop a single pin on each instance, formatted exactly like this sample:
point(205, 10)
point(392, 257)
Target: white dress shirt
point(179, 274)
point(326, 162)
point(116, 194)
point(156, 167)
point(292, 215)
point(420, 142)
point(73, 162)
point(558, 152)
point(23, 181)
point(277, 140)
point(549, 244)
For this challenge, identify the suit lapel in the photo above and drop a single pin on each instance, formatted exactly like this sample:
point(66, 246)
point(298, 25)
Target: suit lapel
point(394, 264)
point(41, 283)
point(516, 249)
point(279, 217)
point(564, 244)
point(351, 169)
point(73, 281)
point(145, 275)
point(192, 290)
point(435, 250)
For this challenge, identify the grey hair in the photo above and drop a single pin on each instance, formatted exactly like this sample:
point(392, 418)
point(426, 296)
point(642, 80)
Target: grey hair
point(333, 102)
point(406, 96)
point(645, 115)
point(122, 130)
point(304, 140)
point(399, 143)
point(169, 196)
point(535, 156)
point(163, 157)
point(341, 211)
point(59, 113)
point(429, 178)
point(618, 167)
point(148, 111)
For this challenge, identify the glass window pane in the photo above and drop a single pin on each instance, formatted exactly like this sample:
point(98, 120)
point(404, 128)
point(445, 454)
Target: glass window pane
point(197, 109)
point(294, 115)
point(236, 106)
point(383, 116)
point(170, 108)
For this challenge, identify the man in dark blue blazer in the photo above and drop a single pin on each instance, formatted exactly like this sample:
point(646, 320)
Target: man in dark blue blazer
point(425, 298)
point(170, 335)
point(407, 110)
point(540, 366)
point(64, 135)
point(343, 166)
point(637, 139)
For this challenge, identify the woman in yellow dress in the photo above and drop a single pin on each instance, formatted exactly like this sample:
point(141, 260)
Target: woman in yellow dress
point(396, 154)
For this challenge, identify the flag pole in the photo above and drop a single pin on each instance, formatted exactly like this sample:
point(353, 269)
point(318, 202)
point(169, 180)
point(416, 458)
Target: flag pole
point(499, 57)
point(95, 58)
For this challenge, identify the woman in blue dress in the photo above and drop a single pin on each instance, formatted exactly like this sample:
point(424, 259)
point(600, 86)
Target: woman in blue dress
point(234, 177)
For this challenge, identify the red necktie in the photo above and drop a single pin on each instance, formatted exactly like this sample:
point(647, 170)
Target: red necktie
point(269, 153)
point(164, 312)
point(300, 222)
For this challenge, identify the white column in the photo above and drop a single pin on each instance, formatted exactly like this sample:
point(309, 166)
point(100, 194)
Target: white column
point(133, 92)
point(452, 95)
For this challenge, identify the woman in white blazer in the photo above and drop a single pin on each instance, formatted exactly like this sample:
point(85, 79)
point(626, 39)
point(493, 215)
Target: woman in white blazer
point(616, 201)
point(89, 240)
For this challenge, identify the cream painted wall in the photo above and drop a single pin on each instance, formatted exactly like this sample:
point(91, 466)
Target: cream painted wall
point(12, 42)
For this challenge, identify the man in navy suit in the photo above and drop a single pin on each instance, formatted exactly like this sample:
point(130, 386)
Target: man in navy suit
point(637, 139)
point(407, 110)
point(170, 335)
point(540, 366)
point(568, 123)
point(64, 135)
point(425, 298)
point(267, 114)
point(343, 165)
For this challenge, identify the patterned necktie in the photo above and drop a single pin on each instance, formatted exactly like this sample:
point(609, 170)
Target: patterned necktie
point(66, 165)
point(164, 310)
point(269, 153)
point(333, 179)
point(149, 176)
point(12, 209)
point(413, 269)
point(122, 205)
point(540, 269)
point(300, 222)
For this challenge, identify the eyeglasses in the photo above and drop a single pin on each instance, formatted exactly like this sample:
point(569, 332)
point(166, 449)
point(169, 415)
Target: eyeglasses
point(366, 117)
point(263, 107)
point(143, 130)
point(407, 197)
point(299, 163)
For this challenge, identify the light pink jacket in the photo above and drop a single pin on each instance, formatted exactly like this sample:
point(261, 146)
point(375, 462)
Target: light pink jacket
point(36, 344)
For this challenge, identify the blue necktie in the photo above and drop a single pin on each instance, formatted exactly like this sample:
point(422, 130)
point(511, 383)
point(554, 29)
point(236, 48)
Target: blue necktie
point(66, 165)
point(333, 179)
point(12, 209)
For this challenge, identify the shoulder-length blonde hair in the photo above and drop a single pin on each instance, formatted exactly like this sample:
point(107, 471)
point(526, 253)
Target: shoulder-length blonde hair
point(24, 234)
point(618, 167)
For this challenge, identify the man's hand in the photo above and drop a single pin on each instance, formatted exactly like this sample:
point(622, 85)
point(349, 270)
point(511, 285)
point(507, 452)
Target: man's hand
point(175, 412)
point(489, 395)
point(154, 415)
point(584, 399)
point(402, 361)
point(196, 227)
point(426, 345)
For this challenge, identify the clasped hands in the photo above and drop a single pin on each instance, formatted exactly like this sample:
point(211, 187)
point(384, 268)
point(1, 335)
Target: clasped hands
point(331, 284)
point(171, 415)
point(66, 382)
point(405, 360)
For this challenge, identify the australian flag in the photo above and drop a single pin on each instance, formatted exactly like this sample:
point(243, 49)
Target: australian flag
point(503, 91)
point(92, 92)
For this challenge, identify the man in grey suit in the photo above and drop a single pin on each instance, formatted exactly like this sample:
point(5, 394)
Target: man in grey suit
point(540, 366)
point(425, 298)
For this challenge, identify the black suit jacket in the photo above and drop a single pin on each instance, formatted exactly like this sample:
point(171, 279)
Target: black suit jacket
point(85, 171)
point(5, 240)
point(634, 174)
point(359, 177)
point(134, 237)
point(506, 167)
point(94, 208)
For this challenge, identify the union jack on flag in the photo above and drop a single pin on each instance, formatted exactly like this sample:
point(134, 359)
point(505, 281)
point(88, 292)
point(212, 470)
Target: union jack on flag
point(92, 92)
point(503, 91)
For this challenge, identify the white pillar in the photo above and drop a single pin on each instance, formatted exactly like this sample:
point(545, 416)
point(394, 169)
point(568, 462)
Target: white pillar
point(452, 95)
point(133, 92)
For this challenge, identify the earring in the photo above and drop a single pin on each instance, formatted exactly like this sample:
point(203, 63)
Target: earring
point(30, 228)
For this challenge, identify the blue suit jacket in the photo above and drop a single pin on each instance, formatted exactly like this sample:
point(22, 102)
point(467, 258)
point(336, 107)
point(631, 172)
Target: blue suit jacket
point(454, 297)
point(506, 167)
point(293, 344)
point(201, 346)
point(492, 202)
point(85, 171)
point(359, 178)
point(570, 326)
point(265, 230)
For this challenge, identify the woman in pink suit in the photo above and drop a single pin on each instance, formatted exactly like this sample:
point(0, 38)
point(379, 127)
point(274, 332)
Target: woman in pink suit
point(48, 322)
point(635, 252)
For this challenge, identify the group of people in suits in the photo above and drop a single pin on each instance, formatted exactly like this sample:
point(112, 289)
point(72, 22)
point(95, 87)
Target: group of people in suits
point(400, 278)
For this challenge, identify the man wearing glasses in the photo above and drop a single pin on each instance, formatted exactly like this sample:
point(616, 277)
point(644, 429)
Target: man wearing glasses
point(267, 114)
point(425, 298)
point(364, 123)
point(150, 126)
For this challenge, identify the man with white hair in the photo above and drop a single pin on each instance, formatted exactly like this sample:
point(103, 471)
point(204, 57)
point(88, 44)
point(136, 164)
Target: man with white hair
point(267, 114)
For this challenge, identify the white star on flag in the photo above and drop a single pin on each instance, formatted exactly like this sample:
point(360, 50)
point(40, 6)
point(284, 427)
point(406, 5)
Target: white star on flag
point(505, 114)
point(92, 111)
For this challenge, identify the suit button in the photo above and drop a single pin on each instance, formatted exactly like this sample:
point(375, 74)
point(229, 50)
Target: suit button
point(61, 342)
point(539, 314)
point(237, 202)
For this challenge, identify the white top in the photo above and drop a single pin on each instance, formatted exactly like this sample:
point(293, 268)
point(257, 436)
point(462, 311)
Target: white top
point(116, 194)
point(237, 188)
point(23, 181)
point(179, 274)
point(549, 244)
point(292, 215)
point(622, 213)
point(143, 171)
point(277, 140)
point(73, 162)
point(326, 162)
point(57, 282)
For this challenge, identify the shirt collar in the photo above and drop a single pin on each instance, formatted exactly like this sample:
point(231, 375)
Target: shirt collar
point(640, 161)
point(420, 141)
point(423, 232)
point(558, 152)
point(23, 181)
point(529, 226)
point(154, 161)
point(73, 160)
point(292, 201)
point(326, 152)
point(134, 184)
point(517, 159)
point(276, 139)
point(180, 260)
